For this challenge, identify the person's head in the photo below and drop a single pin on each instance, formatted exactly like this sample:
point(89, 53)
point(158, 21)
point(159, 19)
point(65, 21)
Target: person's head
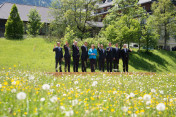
point(67, 44)
point(101, 46)
point(85, 43)
point(58, 44)
point(110, 44)
point(124, 46)
point(76, 43)
point(93, 46)
point(116, 44)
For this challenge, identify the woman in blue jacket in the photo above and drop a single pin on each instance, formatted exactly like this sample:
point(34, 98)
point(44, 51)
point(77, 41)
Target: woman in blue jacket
point(92, 56)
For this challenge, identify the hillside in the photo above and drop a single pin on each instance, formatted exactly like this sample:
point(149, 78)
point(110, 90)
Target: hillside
point(44, 3)
point(35, 54)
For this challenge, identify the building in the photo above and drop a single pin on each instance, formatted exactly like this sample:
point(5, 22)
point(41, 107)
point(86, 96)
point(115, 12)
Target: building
point(105, 5)
point(23, 10)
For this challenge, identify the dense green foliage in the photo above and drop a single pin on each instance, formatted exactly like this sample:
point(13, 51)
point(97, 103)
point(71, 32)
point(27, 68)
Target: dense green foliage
point(74, 13)
point(35, 54)
point(164, 19)
point(123, 24)
point(34, 24)
point(14, 26)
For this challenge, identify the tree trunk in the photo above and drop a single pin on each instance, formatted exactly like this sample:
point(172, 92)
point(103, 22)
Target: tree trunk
point(165, 37)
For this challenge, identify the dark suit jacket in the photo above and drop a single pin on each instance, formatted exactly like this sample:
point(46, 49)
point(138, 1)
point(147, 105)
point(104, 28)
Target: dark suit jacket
point(125, 55)
point(84, 55)
point(75, 51)
point(67, 53)
point(109, 53)
point(102, 55)
point(59, 53)
point(116, 53)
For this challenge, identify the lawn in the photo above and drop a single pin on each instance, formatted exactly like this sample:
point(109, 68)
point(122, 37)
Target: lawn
point(37, 94)
point(35, 54)
point(26, 89)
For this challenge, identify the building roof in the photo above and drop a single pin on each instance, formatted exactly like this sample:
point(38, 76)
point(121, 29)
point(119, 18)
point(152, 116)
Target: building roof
point(24, 10)
point(144, 1)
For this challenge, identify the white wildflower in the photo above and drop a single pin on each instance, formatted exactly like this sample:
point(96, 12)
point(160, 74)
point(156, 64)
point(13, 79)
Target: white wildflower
point(53, 99)
point(21, 96)
point(153, 90)
point(148, 102)
point(14, 83)
point(160, 107)
point(69, 113)
point(62, 108)
point(94, 83)
point(133, 115)
point(147, 97)
point(161, 92)
point(76, 82)
point(124, 109)
point(13, 90)
point(74, 102)
point(46, 87)
point(31, 77)
point(42, 99)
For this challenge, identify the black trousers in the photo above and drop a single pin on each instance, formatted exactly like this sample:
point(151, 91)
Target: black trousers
point(116, 63)
point(60, 65)
point(84, 63)
point(92, 64)
point(75, 64)
point(67, 64)
point(101, 64)
point(109, 65)
point(125, 64)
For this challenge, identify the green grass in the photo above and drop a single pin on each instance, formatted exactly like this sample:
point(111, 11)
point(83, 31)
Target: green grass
point(35, 54)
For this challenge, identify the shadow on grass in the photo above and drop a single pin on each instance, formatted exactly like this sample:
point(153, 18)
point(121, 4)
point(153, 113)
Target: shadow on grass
point(171, 54)
point(141, 64)
point(138, 62)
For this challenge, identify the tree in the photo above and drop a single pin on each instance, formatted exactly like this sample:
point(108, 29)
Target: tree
point(164, 19)
point(149, 35)
point(14, 25)
point(75, 13)
point(34, 24)
point(127, 15)
point(125, 30)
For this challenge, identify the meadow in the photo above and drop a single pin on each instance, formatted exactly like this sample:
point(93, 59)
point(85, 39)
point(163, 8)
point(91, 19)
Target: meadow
point(33, 94)
point(28, 89)
point(35, 54)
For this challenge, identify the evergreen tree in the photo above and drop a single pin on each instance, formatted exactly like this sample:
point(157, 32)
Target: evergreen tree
point(34, 24)
point(14, 26)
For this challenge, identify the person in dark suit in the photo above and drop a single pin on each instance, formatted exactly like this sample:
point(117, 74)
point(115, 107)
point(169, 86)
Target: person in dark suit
point(67, 56)
point(58, 56)
point(84, 56)
point(125, 57)
point(116, 57)
point(102, 57)
point(75, 56)
point(109, 57)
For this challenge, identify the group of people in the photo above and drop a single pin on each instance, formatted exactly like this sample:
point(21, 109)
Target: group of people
point(110, 55)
